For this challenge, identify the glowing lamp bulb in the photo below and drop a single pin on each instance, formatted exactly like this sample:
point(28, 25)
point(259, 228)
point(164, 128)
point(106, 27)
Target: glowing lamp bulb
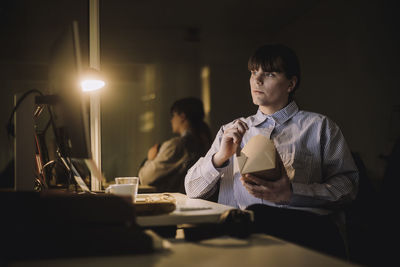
point(92, 85)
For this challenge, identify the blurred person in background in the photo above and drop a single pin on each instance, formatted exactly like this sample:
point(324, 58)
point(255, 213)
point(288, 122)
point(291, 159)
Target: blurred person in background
point(167, 164)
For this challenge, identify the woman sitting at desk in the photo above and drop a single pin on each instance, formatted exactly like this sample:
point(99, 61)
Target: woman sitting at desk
point(166, 165)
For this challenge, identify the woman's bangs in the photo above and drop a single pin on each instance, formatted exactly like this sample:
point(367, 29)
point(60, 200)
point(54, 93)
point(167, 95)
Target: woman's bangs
point(267, 64)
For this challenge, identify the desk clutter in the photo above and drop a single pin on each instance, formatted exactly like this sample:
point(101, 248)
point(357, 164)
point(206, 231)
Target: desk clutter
point(154, 204)
point(53, 224)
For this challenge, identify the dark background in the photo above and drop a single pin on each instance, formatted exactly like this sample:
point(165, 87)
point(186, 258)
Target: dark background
point(154, 52)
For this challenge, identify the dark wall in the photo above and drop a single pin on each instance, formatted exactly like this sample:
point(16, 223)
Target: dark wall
point(349, 54)
point(171, 44)
point(153, 52)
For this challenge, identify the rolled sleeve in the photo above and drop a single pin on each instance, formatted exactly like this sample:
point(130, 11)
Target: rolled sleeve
point(201, 179)
point(208, 171)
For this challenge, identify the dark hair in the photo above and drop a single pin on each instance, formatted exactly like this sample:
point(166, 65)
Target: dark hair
point(276, 58)
point(194, 111)
point(191, 106)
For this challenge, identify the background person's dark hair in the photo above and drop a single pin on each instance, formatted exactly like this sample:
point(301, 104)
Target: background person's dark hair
point(276, 58)
point(191, 106)
point(194, 111)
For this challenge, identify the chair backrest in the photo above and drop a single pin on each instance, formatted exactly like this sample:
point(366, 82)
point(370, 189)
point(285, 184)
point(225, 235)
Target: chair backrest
point(390, 182)
point(366, 190)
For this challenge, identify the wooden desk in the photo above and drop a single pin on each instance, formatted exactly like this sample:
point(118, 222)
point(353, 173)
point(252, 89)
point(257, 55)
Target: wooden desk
point(258, 250)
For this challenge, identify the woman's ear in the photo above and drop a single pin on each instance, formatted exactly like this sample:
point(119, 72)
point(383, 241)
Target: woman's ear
point(292, 83)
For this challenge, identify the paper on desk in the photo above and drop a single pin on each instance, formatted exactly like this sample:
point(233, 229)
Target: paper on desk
point(258, 157)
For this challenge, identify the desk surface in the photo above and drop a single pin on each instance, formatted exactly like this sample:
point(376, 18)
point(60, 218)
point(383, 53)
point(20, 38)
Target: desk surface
point(258, 250)
point(188, 211)
point(147, 189)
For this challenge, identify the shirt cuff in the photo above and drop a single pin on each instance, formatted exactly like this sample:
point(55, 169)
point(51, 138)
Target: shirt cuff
point(209, 172)
point(302, 196)
point(301, 189)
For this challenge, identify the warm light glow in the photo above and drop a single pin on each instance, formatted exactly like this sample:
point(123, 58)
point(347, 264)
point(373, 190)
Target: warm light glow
point(92, 85)
point(205, 91)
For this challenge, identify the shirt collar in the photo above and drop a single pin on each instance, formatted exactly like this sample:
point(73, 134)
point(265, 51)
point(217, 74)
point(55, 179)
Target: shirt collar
point(280, 117)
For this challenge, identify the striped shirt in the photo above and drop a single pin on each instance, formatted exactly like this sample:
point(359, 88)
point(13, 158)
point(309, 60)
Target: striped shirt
point(313, 150)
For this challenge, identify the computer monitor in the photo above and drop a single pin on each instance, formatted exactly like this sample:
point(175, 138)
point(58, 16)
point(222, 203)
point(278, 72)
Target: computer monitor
point(70, 113)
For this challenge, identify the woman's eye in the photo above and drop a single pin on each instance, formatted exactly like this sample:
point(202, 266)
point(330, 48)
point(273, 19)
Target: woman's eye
point(269, 74)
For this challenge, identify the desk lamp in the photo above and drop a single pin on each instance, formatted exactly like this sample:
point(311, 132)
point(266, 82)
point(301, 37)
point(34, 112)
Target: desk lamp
point(92, 81)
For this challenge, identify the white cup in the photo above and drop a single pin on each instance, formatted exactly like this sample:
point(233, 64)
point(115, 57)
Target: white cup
point(127, 180)
point(129, 190)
